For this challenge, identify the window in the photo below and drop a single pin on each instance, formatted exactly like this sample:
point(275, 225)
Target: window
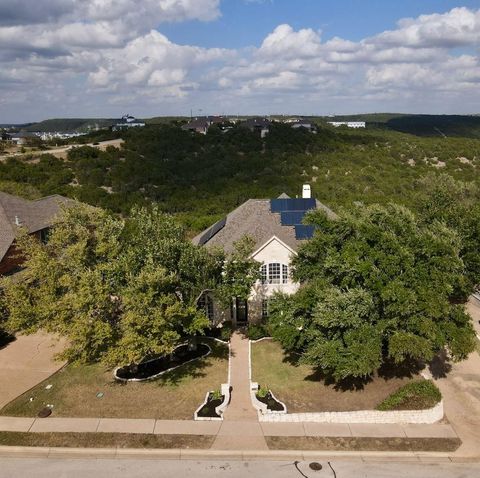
point(205, 303)
point(274, 273)
point(44, 235)
point(265, 309)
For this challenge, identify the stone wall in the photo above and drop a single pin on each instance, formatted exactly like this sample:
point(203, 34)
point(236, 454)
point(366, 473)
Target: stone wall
point(430, 415)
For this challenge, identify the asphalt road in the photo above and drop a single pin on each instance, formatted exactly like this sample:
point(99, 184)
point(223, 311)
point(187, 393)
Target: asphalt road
point(146, 468)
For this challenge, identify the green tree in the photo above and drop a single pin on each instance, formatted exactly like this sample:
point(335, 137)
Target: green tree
point(120, 290)
point(377, 285)
point(457, 204)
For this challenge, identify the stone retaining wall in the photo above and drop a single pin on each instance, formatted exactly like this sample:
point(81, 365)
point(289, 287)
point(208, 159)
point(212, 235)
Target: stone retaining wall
point(430, 415)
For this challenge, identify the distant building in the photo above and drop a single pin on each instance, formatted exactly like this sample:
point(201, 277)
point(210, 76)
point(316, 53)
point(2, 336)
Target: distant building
point(22, 137)
point(302, 123)
point(349, 124)
point(34, 216)
point(261, 125)
point(127, 122)
point(202, 124)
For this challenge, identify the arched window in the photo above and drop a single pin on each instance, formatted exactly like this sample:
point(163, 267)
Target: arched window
point(274, 273)
point(205, 303)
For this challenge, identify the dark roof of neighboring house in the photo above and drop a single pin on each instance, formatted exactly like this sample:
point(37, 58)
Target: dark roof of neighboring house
point(197, 123)
point(32, 215)
point(23, 134)
point(257, 123)
point(254, 218)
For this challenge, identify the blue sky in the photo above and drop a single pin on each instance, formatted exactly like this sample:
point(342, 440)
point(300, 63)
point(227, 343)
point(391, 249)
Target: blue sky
point(246, 23)
point(103, 58)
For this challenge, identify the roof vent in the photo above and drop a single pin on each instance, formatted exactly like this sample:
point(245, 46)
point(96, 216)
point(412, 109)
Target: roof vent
point(306, 191)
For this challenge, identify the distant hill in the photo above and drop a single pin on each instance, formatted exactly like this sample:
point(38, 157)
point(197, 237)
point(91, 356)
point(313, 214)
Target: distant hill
point(467, 126)
point(71, 124)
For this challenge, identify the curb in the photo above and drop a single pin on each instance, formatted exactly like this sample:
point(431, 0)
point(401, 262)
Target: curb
point(237, 455)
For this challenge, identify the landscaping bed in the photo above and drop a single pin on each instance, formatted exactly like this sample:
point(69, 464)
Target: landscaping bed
point(152, 368)
point(215, 399)
point(266, 397)
point(303, 389)
point(91, 391)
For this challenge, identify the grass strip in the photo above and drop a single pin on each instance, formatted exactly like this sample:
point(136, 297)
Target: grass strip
point(105, 440)
point(362, 444)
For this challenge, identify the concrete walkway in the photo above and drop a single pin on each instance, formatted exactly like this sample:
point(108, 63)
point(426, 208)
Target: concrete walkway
point(26, 362)
point(236, 429)
point(240, 427)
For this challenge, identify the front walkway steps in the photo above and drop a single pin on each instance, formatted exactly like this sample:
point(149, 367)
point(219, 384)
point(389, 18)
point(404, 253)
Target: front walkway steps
point(240, 427)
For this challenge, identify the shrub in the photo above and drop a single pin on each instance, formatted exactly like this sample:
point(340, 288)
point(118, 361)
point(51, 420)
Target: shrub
point(255, 332)
point(262, 392)
point(413, 396)
point(226, 330)
point(217, 394)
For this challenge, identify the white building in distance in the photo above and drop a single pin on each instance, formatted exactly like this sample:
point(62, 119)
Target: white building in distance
point(349, 124)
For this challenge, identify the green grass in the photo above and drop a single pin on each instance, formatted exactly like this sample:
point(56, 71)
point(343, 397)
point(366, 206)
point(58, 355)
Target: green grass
point(303, 389)
point(413, 396)
point(174, 395)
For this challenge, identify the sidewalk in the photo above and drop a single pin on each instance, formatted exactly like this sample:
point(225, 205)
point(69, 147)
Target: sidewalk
point(234, 429)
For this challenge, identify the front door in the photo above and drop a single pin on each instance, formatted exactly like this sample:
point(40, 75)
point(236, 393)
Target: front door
point(242, 311)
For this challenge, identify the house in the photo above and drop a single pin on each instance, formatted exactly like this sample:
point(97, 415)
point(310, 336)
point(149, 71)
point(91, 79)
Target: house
point(22, 137)
point(34, 216)
point(262, 125)
point(200, 125)
point(348, 124)
point(303, 123)
point(127, 122)
point(276, 227)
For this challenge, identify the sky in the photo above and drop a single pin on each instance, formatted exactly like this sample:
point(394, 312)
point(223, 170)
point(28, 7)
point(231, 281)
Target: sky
point(106, 58)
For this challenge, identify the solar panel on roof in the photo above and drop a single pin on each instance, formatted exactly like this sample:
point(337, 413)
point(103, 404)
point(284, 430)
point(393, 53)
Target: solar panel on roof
point(303, 231)
point(297, 204)
point(290, 218)
point(218, 226)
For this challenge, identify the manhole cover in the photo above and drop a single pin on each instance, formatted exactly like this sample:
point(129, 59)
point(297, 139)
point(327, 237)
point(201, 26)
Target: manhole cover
point(315, 466)
point(45, 412)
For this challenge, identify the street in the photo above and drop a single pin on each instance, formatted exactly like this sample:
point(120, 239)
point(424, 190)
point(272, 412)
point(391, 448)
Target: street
point(145, 468)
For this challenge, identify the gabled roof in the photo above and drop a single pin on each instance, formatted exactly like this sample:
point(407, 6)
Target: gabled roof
point(16, 212)
point(255, 219)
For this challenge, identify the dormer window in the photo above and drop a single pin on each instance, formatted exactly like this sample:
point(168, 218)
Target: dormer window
point(274, 273)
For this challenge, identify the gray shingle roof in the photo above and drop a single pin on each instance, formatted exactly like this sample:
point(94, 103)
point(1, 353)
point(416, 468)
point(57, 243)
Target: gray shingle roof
point(254, 218)
point(32, 215)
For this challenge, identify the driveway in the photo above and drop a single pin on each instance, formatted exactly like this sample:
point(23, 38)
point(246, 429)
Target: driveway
point(461, 392)
point(26, 362)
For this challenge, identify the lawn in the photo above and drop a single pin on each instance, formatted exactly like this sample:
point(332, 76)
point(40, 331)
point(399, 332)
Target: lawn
point(303, 389)
point(175, 395)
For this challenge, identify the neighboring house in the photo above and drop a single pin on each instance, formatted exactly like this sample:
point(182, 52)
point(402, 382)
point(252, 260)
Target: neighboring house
point(21, 138)
point(348, 124)
point(303, 123)
point(198, 125)
point(34, 216)
point(276, 227)
point(127, 122)
point(201, 124)
point(261, 125)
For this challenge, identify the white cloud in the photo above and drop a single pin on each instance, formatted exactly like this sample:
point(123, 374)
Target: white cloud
point(88, 54)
